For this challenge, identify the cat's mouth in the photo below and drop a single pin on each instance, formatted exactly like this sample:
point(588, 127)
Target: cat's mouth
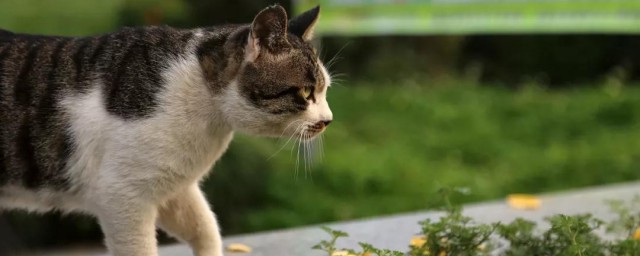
point(312, 133)
point(314, 130)
point(304, 130)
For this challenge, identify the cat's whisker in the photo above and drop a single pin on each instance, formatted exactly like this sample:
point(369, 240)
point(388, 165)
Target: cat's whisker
point(292, 149)
point(335, 75)
point(309, 151)
point(321, 147)
point(336, 57)
point(333, 61)
point(301, 148)
point(337, 78)
point(303, 145)
point(307, 160)
point(290, 137)
point(312, 150)
point(313, 144)
point(304, 156)
point(300, 139)
point(295, 169)
point(311, 155)
point(310, 146)
point(323, 154)
point(322, 54)
point(289, 125)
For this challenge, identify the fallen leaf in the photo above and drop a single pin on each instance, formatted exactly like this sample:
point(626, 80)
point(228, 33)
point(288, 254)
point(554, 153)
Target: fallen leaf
point(237, 247)
point(418, 241)
point(524, 201)
point(346, 253)
point(340, 253)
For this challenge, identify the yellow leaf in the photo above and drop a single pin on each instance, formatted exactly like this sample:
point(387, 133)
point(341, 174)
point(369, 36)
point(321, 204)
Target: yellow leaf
point(340, 253)
point(418, 241)
point(636, 234)
point(237, 247)
point(524, 201)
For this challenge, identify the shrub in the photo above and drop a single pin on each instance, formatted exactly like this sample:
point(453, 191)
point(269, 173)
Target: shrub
point(456, 234)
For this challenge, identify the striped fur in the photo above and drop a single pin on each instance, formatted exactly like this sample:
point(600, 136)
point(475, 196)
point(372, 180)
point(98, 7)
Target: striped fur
point(124, 125)
point(37, 71)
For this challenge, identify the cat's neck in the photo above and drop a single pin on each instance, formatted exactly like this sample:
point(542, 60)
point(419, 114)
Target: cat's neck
point(189, 99)
point(220, 53)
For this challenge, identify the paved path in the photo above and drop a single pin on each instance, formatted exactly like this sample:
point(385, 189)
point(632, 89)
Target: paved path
point(394, 232)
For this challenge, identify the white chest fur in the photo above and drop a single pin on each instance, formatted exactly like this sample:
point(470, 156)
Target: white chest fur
point(154, 156)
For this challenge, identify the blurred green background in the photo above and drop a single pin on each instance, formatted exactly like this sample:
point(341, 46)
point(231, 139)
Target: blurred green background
point(497, 113)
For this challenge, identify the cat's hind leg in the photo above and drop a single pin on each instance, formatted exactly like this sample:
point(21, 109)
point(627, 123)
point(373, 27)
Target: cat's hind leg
point(188, 217)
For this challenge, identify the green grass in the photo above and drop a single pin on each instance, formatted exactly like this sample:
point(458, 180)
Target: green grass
point(59, 17)
point(391, 146)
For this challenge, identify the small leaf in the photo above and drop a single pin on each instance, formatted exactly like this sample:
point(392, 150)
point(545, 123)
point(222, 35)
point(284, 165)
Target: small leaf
point(338, 233)
point(340, 253)
point(636, 234)
point(524, 201)
point(418, 241)
point(238, 247)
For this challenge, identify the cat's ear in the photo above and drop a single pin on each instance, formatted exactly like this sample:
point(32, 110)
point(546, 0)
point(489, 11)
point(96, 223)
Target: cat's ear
point(268, 31)
point(304, 24)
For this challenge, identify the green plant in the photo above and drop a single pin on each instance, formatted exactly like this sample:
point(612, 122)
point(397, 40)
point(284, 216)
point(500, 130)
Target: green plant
point(329, 246)
point(568, 235)
point(456, 234)
point(628, 220)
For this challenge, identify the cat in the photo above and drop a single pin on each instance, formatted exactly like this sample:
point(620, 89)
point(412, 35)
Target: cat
point(124, 126)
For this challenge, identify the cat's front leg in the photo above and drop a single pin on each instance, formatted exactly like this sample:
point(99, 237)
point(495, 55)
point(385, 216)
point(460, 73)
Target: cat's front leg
point(188, 217)
point(129, 227)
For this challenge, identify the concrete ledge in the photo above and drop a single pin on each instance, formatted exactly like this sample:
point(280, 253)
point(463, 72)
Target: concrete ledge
point(394, 232)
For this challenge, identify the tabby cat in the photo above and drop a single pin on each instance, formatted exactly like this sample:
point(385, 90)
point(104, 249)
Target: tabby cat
point(124, 126)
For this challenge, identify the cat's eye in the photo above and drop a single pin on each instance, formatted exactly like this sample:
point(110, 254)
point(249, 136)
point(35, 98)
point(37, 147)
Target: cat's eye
point(306, 92)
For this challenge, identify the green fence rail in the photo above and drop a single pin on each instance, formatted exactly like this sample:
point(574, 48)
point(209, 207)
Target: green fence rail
point(412, 17)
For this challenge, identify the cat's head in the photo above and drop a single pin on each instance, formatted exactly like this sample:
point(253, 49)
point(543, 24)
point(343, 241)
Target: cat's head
point(280, 88)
